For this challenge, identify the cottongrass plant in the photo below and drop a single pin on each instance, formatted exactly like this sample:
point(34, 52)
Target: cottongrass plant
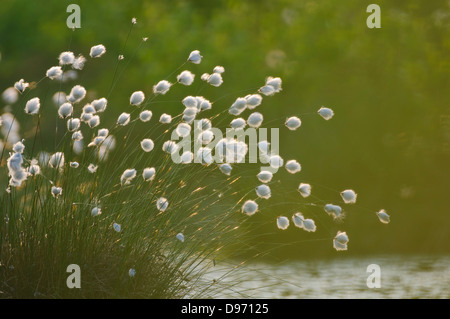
point(109, 197)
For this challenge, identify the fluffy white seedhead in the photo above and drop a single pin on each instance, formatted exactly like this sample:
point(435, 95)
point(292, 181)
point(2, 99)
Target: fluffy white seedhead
point(33, 105)
point(349, 196)
point(304, 190)
point(292, 166)
point(225, 168)
point(56, 191)
point(97, 51)
point(203, 104)
point(180, 237)
point(263, 191)
point(183, 129)
point(298, 219)
point(309, 225)
point(190, 101)
point(34, 169)
point(127, 176)
point(77, 136)
point(234, 111)
point(206, 137)
point(78, 63)
point(74, 164)
point(240, 104)
point(73, 124)
point(117, 227)
point(55, 72)
point(145, 116)
point(10, 95)
point(103, 132)
point(66, 58)
point(267, 90)
point(99, 105)
point(186, 78)
point(219, 69)
point(215, 79)
point(96, 211)
point(65, 110)
point(59, 98)
point(76, 94)
point(275, 83)
point(18, 147)
point(147, 145)
point(238, 123)
point(282, 222)
point(88, 108)
point(204, 124)
point(94, 121)
point(162, 87)
point(92, 168)
point(165, 118)
point(187, 157)
point(162, 203)
point(149, 174)
point(326, 113)
point(340, 241)
point(85, 117)
point(265, 176)
point(137, 98)
point(253, 101)
point(195, 57)
point(333, 210)
point(204, 156)
point(21, 85)
point(205, 77)
point(123, 119)
point(275, 161)
point(255, 120)
point(57, 160)
point(293, 123)
point(383, 216)
point(250, 207)
point(170, 147)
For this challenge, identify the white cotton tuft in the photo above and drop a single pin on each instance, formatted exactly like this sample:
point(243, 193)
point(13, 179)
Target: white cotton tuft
point(162, 87)
point(264, 146)
point(340, 241)
point(180, 237)
point(304, 189)
point(92, 168)
point(186, 78)
point(349, 196)
point(250, 207)
point(117, 227)
point(240, 104)
point(275, 161)
point(73, 124)
point(56, 191)
point(282, 222)
point(190, 101)
point(183, 129)
point(238, 123)
point(97, 51)
point(145, 116)
point(187, 157)
point(74, 164)
point(309, 225)
point(76, 94)
point(57, 160)
point(66, 58)
point(10, 95)
point(215, 79)
point(137, 98)
point(170, 147)
point(162, 204)
point(253, 101)
point(123, 119)
point(263, 191)
point(18, 147)
point(96, 211)
point(78, 147)
point(219, 69)
point(34, 168)
point(78, 63)
point(149, 174)
point(21, 85)
point(104, 132)
point(255, 120)
point(204, 124)
point(33, 105)
point(165, 118)
point(275, 83)
point(65, 110)
point(206, 137)
point(55, 72)
point(234, 111)
point(383, 216)
point(293, 123)
point(77, 136)
point(265, 176)
point(333, 210)
point(298, 219)
point(204, 156)
point(225, 168)
point(59, 98)
point(99, 105)
point(267, 90)
point(292, 166)
point(147, 145)
point(127, 176)
point(205, 76)
point(195, 57)
point(204, 104)
point(94, 121)
point(326, 113)
point(89, 109)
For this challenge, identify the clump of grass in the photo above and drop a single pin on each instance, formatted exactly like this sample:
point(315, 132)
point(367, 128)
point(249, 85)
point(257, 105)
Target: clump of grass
point(112, 199)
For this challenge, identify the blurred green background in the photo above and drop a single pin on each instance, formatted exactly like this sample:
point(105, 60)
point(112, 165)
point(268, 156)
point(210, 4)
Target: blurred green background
point(389, 88)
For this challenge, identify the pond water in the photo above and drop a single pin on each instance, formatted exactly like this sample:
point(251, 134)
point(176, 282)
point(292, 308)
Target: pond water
point(400, 277)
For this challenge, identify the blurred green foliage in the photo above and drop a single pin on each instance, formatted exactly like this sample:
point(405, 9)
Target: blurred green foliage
point(389, 87)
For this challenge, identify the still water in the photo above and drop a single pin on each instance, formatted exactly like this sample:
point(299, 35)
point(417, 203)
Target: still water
point(400, 277)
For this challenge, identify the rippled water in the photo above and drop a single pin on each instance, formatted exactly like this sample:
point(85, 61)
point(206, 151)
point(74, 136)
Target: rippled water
point(401, 277)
